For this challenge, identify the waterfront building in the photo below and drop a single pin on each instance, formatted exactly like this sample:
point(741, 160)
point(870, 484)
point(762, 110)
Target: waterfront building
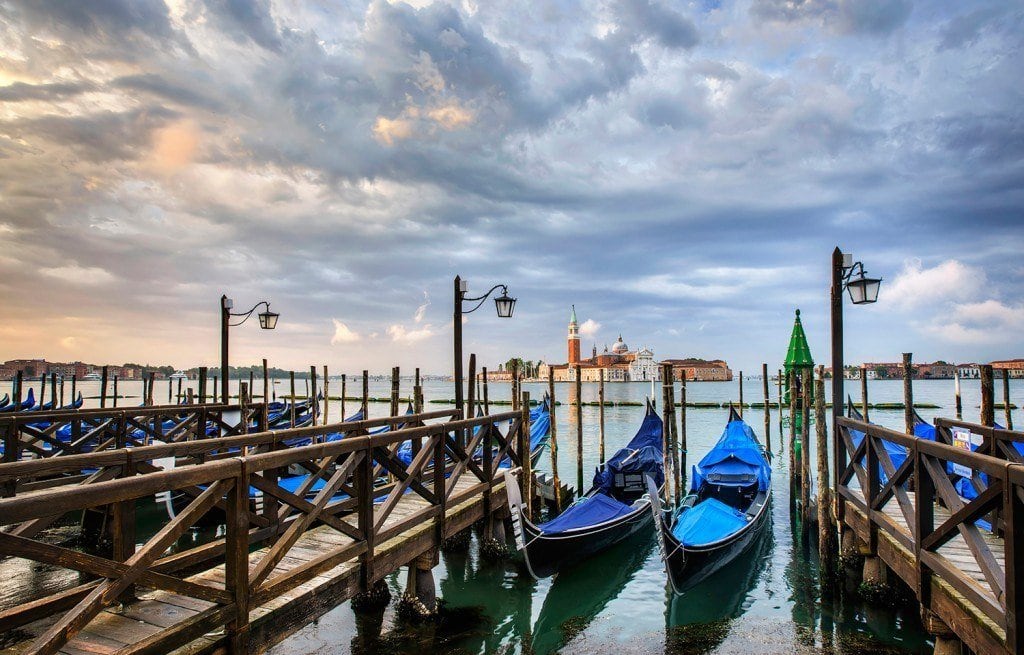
point(1014, 366)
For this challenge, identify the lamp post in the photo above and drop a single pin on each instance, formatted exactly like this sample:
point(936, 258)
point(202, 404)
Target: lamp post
point(503, 304)
point(863, 290)
point(268, 321)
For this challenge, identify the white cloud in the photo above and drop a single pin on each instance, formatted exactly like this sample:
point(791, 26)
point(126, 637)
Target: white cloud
point(401, 334)
point(422, 309)
point(84, 275)
point(342, 333)
point(950, 281)
point(589, 327)
point(985, 322)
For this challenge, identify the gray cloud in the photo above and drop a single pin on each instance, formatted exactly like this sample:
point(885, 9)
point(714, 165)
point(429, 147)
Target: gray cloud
point(247, 19)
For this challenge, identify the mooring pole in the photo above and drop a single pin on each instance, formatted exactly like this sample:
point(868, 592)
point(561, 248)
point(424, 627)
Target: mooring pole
point(365, 404)
point(202, 386)
point(74, 388)
point(682, 425)
point(956, 390)
point(741, 394)
point(58, 405)
point(908, 393)
point(327, 395)
point(767, 409)
point(115, 391)
point(782, 436)
point(486, 397)
point(836, 312)
point(864, 392)
point(988, 415)
point(73, 395)
point(666, 435)
point(600, 418)
point(103, 387)
point(674, 441)
point(515, 385)
point(827, 546)
point(553, 448)
point(266, 383)
point(805, 452)
point(793, 473)
point(471, 395)
point(457, 342)
point(579, 432)
point(179, 391)
point(524, 440)
point(42, 391)
point(1006, 398)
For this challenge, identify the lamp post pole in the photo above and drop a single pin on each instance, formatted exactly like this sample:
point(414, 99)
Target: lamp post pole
point(458, 343)
point(837, 368)
point(225, 319)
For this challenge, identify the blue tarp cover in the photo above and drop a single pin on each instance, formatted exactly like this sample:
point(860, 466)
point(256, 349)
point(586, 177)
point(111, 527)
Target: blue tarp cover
point(707, 522)
point(642, 454)
point(591, 510)
point(737, 451)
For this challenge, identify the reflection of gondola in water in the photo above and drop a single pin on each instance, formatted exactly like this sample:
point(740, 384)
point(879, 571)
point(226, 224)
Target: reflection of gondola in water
point(577, 595)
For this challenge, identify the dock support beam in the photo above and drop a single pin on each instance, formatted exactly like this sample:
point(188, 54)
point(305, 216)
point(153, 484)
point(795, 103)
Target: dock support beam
point(420, 599)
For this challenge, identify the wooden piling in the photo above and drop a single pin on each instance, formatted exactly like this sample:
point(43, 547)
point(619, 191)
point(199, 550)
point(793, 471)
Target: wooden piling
point(805, 450)
point(782, 436)
point(1006, 399)
point(179, 391)
point(214, 394)
point(908, 394)
point(515, 385)
point(57, 405)
point(365, 406)
point(864, 391)
point(670, 387)
point(344, 390)
point(767, 409)
point(553, 442)
point(682, 425)
point(152, 383)
point(252, 387)
point(471, 395)
point(314, 404)
point(956, 391)
point(243, 405)
point(42, 391)
point(103, 387)
point(600, 419)
point(327, 396)
point(115, 391)
point(395, 386)
point(828, 550)
point(988, 415)
point(524, 445)
point(486, 399)
point(291, 404)
point(794, 474)
point(202, 385)
point(62, 392)
point(579, 432)
point(74, 388)
point(266, 382)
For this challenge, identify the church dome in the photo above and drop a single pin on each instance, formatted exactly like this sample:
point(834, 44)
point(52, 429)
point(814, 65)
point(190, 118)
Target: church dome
point(620, 347)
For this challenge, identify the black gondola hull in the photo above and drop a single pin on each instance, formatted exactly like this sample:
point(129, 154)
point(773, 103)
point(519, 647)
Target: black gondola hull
point(689, 566)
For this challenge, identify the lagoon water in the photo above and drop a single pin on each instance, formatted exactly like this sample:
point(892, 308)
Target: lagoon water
point(619, 601)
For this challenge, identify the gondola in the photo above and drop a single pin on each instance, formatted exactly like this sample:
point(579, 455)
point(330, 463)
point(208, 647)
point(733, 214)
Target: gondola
point(28, 403)
point(725, 511)
point(5, 401)
point(616, 506)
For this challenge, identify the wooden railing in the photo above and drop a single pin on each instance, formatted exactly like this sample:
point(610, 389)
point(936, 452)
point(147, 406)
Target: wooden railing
point(981, 566)
point(355, 502)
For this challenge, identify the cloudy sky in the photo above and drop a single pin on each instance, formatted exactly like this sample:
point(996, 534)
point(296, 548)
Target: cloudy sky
point(679, 170)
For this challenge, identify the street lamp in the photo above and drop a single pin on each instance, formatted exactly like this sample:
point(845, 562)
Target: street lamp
point(863, 290)
point(503, 304)
point(268, 321)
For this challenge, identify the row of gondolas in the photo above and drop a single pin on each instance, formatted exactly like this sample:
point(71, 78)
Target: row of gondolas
point(725, 511)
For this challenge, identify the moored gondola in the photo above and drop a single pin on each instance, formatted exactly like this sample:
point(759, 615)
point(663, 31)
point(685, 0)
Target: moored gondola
point(616, 506)
point(726, 509)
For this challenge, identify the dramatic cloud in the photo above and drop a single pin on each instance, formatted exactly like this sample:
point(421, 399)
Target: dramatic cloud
point(679, 171)
point(589, 328)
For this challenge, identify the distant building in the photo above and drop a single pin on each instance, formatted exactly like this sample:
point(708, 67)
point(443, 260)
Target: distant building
point(620, 364)
point(968, 371)
point(1014, 366)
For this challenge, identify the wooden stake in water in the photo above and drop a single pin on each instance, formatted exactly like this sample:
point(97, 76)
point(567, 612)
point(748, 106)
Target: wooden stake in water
point(908, 393)
point(202, 385)
point(394, 388)
point(327, 396)
point(741, 394)
point(782, 436)
point(553, 442)
point(243, 407)
point(344, 390)
point(365, 406)
point(767, 409)
point(988, 415)
point(314, 400)
point(1006, 399)
point(579, 432)
point(666, 435)
point(115, 391)
point(794, 473)
point(524, 442)
point(600, 417)
point(266, 382)
point(515, 384)
point(252, 386)
point(291, 403)
point(864, 392)
point(103, 387)
point(827, 547)
point(487, 402)
point(471, 390)
point(670, 387)
point(214, 394)
point(956, 390)
point(74, 388)
point(58, 405)
point(179, 391)
point(17, 389)
point(682, 424)
point(62, 392)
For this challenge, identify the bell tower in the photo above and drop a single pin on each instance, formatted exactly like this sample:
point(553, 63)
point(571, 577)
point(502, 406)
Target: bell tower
point(574, 338)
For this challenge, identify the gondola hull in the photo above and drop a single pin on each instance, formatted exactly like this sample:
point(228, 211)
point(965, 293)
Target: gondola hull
point(688, 566)
point(546, 555)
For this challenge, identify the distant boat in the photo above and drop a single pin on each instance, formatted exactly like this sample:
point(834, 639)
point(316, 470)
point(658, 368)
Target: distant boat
point(91, 377)
point(179, 375)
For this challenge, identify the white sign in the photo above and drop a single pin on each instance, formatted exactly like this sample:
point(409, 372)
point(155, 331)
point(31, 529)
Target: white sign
point(967, 440)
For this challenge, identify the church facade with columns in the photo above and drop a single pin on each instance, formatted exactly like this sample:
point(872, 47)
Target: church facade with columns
point(617, 363)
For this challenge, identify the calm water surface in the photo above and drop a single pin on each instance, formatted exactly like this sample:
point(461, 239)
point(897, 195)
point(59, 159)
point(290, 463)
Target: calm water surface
point(618, 601)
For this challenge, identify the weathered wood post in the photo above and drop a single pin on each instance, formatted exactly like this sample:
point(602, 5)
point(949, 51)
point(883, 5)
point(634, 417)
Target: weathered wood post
point(395, 388)
point(344, 390)
point(908, 393)
point(471, 395)
point(215, 388)
point(579, 432)
point(782, 436)
point(666, 435)
point(600, 418)
point(365, 404)
point(864, 391)
point(767, 409)
point(956, 391)
point(58, 405)
point(73, 396)
point(741, 394)
point(805, 452)
point(266, 382)
point(314, 403)
point(515, 385)
point(152, 383)
point(827, 546)
point(670, 385)
point(553, 443)
point(243, 407)
point(103, 386)
point(252, 386)
point(682, 425)
point(486, 399)
point(115, 391)
point(179, 391)
point(988, 414)
point(42, 391)
point(74, 388)
point(327, 395)
point(291, 402)
point(1006, 399)
point(524, 445)
point(202, 386)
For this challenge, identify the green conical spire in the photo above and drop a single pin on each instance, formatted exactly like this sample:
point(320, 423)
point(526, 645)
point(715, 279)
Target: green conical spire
point(799, 353)
point(572, 317)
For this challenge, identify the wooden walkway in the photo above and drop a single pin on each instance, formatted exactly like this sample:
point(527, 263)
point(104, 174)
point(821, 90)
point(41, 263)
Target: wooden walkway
point(913, 518)
point(276, 568)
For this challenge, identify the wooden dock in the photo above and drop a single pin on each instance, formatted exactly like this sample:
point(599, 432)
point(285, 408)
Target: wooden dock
point(363, 513)
point(965, 575)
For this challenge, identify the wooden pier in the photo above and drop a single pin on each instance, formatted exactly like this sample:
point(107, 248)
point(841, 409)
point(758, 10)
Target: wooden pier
point(966, 576)
point(361, 514)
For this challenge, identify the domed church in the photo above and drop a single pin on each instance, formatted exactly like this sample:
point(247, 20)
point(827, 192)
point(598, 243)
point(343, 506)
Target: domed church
point(619, 364)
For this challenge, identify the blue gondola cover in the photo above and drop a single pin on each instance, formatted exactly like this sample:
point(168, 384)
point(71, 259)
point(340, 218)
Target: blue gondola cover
point(707, 522)
point(588, 512)
point(737, 459)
